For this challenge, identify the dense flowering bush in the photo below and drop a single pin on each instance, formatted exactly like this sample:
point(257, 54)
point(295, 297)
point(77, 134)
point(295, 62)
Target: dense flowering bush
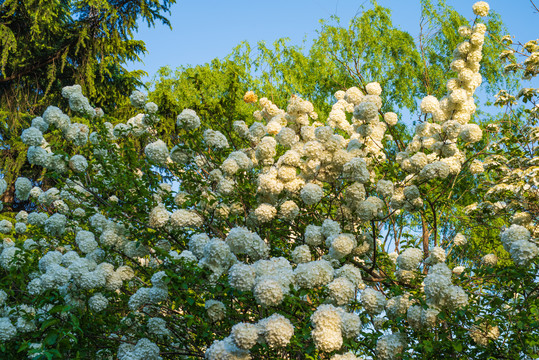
point(272, 241)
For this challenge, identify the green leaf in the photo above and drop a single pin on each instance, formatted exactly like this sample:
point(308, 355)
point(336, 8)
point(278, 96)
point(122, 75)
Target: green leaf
point(48, 323)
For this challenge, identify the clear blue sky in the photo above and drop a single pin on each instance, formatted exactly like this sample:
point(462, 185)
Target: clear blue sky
point(206, 29)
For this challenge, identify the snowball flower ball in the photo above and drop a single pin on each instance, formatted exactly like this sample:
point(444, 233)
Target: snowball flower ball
point(457, 270)
point(5, 226)
point(268, 292)
point(391, 118)
point(32, 136)
point(481, 8)
point(151, 108)
point(410, 259)
point(3, 186)
point(78, 163)
point(265, 213)
point(7, 330)
point(216, 310)
point(459, 240)
point(465, 31)
point(188, 120)
point(245, 335)
point(489, 260)
point(215, 139)
point(289, 210)
point(242, 277)
point(341, 245)
point(138, 99)
point(341, 291)
point(373, 301)
point(353, 95)
point(429, 104)
point(159, 216)
point(301, 254)
point(346, 356)
point(23, 186)
point(437, 255)
point(339, 95)
point(98, 302)
point(471, 133)
point(389, 346)
point(40, 124)
point(311, 194)
point(278, 330)
point(313, 235)
point(86, 241)
point(157, 152)
point(373, 88)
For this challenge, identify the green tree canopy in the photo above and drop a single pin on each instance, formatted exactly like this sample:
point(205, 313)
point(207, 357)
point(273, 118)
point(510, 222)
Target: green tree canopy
point(48, 44)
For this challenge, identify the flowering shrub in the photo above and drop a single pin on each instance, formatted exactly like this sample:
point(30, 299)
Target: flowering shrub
point(278, 239)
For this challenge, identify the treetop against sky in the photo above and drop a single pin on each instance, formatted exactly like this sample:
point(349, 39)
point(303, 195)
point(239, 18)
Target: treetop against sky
point(202, 31)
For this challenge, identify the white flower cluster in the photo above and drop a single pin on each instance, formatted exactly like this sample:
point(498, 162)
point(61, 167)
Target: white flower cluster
point(276, 331)
point(313, 274)
point(391, 346)
point(436, 255)
point(78, 102)
point(32, 136)
point(226, 350)
point(23, 186)
point(138, 99)
point(410, 259)
point(215, 139)
point(273, 280)
point(185, 218)
point(242, 241)
point(157, 152)
point(373, 301)
point(489, 260)
point(39, 151)
point(143, 350)
point(347, 356)
point(420, 318)
point(330, 325)
point(481, 8)
point(439, 290)
point(245, 335)
point(459, 240)
point(450, 117)
point(159, 216)
point(86, 241)
point(398, 306)
point(98, 302)
point(341, 291)
point(215, 309)
point(483, 333)
point(158, 326)
point(5, 226)
point(7, 329)
point(517, 241)
point(154, 295)
point(301, 254)
point(217, 256)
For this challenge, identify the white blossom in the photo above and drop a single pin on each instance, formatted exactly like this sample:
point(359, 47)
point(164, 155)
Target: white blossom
point(481, 8)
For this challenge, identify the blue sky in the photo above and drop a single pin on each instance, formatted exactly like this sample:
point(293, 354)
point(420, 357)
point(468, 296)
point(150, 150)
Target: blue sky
point(206, 29)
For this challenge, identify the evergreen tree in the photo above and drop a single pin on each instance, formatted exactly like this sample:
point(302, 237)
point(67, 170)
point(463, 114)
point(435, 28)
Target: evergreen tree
point(49, 44)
